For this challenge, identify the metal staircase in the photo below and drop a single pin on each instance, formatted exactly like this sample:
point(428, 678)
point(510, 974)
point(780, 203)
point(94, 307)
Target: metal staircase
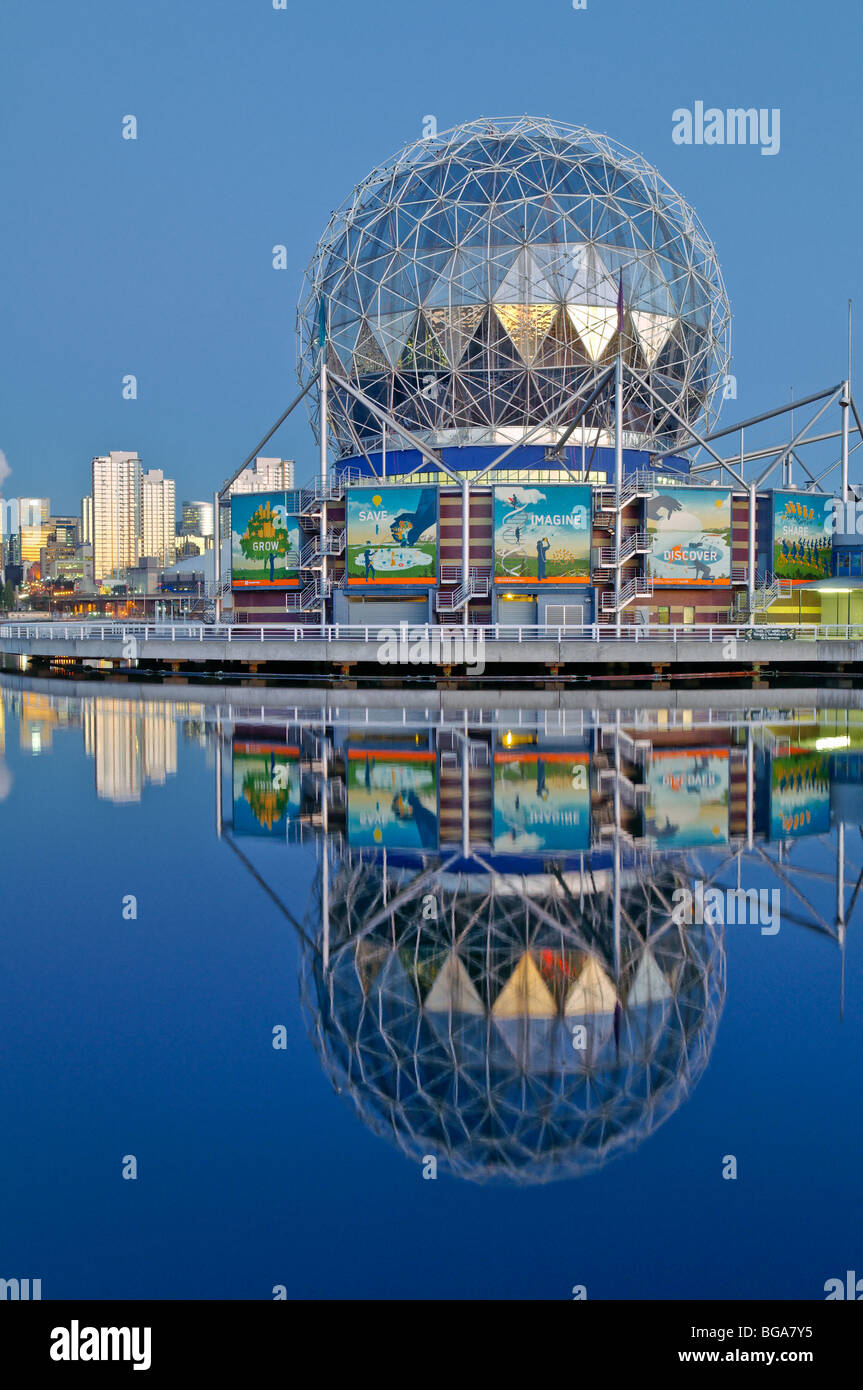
point(633, 794)
point(635, 543)
point(311, 499)
point(638, 750)
point(639, 587)
point(476, 585)
point(765, 594)
point(312, 596)
point(641, 483)
point(333, 543)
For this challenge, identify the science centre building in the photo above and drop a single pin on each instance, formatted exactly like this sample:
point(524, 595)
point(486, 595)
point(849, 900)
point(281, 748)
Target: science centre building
point(514, 340)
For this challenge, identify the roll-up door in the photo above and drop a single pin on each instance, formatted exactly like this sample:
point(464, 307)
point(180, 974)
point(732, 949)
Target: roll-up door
point(387, 611)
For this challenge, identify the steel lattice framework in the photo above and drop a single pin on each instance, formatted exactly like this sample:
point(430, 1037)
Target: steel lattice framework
point(470, 286)
point(454, 1037)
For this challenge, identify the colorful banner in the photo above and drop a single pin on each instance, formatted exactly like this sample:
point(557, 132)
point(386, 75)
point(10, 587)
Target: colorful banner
point(542, 534)
point(266, 788)
point(802, 536)
point(392, 799)
point(265, 542)
point(799, 795)
point(541, 802)
point(689, 529)
point(687, 802)
point(392, 535)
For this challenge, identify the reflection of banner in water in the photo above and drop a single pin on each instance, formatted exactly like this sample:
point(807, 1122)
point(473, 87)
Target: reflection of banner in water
point(799, 795)
point(266, 788)
point(688, 797)
point(802, 536)
point(541, 802)
point(542, 535)
point(392, 799)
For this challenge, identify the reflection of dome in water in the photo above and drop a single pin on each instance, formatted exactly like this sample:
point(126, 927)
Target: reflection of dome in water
point(470, 285)
point(455, 1036)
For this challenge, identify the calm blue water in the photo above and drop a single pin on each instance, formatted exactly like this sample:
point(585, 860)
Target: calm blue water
point(449, 1035)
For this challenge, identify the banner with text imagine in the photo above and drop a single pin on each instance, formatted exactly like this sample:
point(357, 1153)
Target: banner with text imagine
point(541, 802)
point(542, 534)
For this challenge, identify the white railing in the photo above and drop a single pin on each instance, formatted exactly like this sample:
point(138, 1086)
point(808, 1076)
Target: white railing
point(452, 574)
point(719, 633)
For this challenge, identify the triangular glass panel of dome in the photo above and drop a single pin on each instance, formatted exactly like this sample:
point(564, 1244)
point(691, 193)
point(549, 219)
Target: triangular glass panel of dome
point(370, 958)
point(334, 365)
point(454, 328)
point(453, 990)
point(423, 351)
point(592, 993)
point(652, 331)
point(532, 1042)
point(524, 282)
point(397, 995)
point(649, 290)
point(428, 267)
point(650, 985)
point(525, 994)
point(592, 282)
point(391, 332)
point(342, 339)
point(527, 326)
point(595, 327)
point(555, 264)
point(463, 280)
point(367, 353)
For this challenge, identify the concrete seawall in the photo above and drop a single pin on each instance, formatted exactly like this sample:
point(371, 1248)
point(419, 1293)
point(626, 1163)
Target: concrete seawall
point(542, 654)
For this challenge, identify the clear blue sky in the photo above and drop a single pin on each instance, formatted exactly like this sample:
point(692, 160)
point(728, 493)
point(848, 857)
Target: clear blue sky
point(153, 257)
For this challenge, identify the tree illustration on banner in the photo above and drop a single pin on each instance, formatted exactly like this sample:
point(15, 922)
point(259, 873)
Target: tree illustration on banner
point(265, 539)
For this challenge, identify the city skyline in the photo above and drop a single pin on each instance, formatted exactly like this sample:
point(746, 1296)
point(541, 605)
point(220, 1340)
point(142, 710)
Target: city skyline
point(136, 517)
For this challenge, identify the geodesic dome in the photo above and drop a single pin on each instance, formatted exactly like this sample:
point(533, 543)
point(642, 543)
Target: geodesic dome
point(470, 286)
point(455, 1037)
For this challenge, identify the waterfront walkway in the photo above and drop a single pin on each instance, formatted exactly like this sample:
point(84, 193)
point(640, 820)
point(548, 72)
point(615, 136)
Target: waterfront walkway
point(388, 650)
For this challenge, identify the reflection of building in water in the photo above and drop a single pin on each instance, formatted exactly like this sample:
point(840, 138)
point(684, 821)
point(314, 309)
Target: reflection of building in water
point(515, 1034)
point(39, 717)
point(132, 744)
point(491, 968)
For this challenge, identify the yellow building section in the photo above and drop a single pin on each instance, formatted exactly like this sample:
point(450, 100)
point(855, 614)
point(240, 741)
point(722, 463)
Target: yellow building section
point(801, 606)
point(817, 605)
